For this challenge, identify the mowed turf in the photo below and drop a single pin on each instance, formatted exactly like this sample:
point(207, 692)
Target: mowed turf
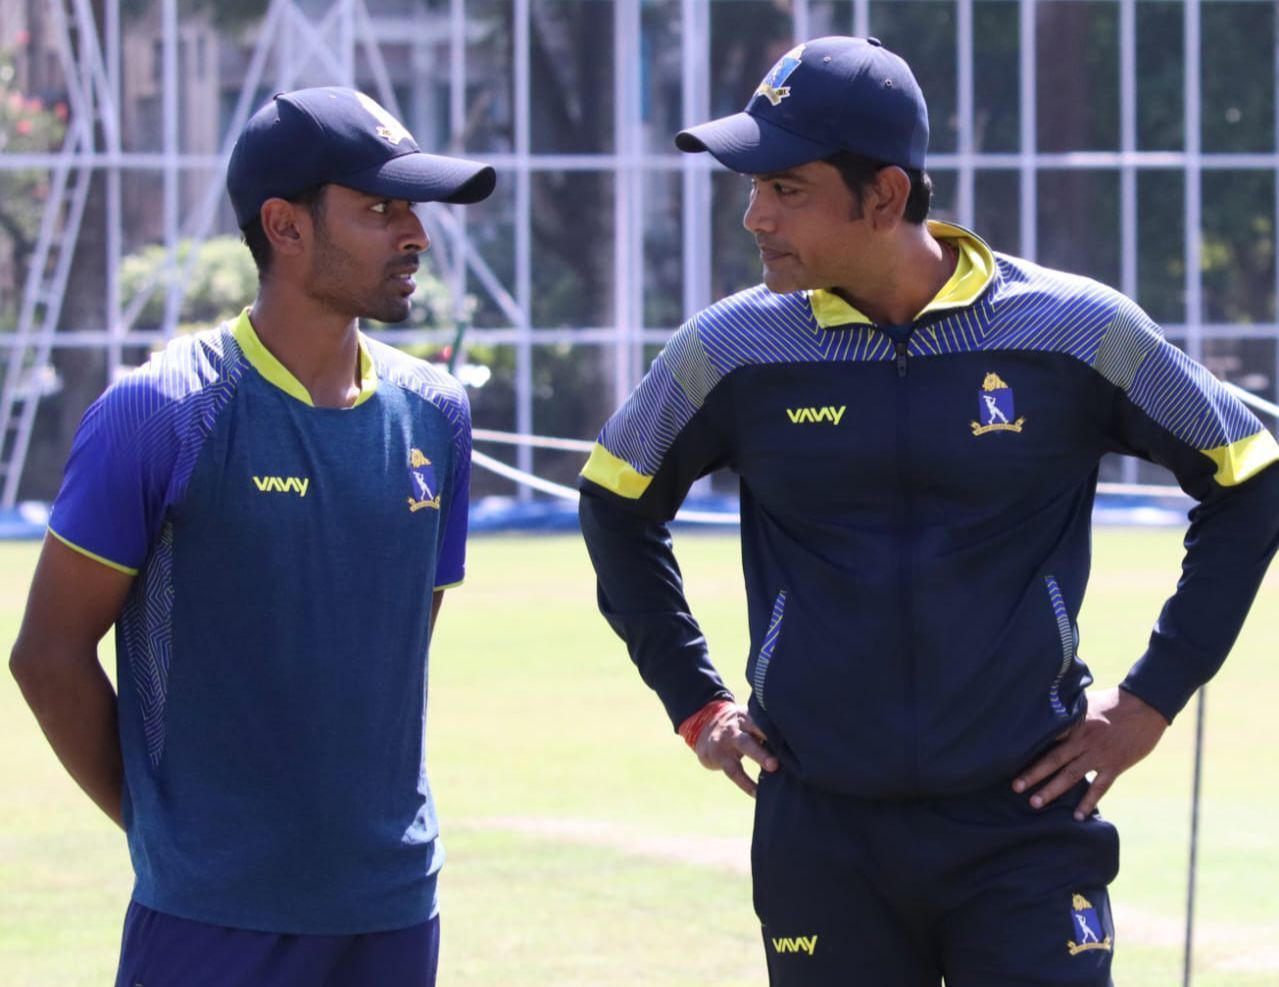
point(586, 846)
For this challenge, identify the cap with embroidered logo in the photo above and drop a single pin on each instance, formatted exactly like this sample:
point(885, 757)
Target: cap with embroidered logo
point(824, 96)
point(336, 135)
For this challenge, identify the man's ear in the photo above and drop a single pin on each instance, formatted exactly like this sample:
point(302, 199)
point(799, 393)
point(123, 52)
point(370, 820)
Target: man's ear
point(884, 199)
point(286, 225)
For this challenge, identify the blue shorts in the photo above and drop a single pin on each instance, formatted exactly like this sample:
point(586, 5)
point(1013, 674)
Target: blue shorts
point(162, 950)
point(978, 889)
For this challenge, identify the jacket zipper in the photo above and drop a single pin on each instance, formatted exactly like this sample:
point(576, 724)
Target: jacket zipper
point(906, 558)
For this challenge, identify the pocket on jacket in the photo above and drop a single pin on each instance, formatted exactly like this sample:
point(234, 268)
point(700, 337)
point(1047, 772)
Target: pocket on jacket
point(759, 674)
point(1069, 643)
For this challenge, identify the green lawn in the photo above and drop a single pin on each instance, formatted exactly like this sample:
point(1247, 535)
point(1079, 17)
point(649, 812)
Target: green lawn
point(586, 847)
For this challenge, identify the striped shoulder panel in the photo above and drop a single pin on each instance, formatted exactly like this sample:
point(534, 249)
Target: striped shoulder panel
point(169, 404)
point(430, 383)
point(1034, 308)
point(1028, 308)
point(752, 327)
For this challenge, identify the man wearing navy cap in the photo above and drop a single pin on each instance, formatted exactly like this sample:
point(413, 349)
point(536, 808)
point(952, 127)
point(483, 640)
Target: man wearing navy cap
point(916, 423)
point(269, 513)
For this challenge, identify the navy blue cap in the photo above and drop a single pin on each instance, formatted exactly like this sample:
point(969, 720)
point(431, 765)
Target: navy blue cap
point(828, 95)
point(336, 135)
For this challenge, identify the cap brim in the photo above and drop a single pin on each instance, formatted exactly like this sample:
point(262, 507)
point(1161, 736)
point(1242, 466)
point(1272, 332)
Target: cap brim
point(750, 145)
point(421, 177)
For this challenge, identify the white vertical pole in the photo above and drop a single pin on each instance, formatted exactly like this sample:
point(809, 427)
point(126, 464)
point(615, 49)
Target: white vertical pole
point(861, 18)
point(1193, 188)
point(694, 174)
point(965, 200)
point(523, 242)
point(1128, 171)
point(1187, 956)
point(169, 102)
point(628, 223)
point(346, 41)
point(457, 145)
point(1029, 139)
point(115, 209)
point(1274, 313)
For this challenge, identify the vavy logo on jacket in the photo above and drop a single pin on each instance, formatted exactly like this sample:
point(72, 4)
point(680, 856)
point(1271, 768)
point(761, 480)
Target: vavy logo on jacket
point(282, 484)
point(800, 416)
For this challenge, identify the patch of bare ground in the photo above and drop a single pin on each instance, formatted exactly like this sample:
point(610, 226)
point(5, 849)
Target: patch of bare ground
point(1222, 946)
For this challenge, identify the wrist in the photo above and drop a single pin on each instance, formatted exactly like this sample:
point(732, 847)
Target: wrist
point(693, 727)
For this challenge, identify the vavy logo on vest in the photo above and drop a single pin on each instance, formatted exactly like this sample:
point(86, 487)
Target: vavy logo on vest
point(282, 484)
point(829, 413)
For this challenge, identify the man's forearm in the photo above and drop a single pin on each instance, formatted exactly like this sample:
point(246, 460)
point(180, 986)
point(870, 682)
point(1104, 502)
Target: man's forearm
point(1228, 549)
point(76, 708)
point(641, 595)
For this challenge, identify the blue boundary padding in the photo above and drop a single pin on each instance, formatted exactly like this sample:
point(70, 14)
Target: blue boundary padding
point(495, 514)
point(27, 520)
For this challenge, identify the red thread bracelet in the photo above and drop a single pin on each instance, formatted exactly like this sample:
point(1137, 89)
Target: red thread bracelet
point(691, 729)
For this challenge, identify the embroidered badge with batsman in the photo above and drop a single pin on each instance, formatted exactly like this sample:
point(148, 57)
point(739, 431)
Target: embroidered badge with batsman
point(774, 87)
point(422, 478)
point(995, 408)
point(1089, 926)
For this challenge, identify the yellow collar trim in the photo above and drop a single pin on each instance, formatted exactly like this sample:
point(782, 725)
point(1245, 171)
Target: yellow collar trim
point(275, 372)
point(974, 270)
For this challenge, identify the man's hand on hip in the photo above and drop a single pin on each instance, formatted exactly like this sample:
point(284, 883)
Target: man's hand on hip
point(725, 734)
point(1117, 731)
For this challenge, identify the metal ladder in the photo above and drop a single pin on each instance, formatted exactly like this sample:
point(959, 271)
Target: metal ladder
point(27, 366)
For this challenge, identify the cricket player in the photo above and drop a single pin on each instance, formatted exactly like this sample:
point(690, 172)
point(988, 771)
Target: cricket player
point(269, 512)
point(916, 422)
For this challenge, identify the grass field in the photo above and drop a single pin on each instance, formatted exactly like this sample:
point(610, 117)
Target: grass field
point(586, 847)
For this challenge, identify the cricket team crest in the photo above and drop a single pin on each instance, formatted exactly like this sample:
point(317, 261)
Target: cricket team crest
point(995, 408)
point(1089, 925)
point(390, 128)
point(773, 87)
point(422, 478)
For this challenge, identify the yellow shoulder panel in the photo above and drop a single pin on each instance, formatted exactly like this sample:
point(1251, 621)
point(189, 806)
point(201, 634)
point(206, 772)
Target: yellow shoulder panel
point(615, 474)
point(1243, 459)
point(96, 558)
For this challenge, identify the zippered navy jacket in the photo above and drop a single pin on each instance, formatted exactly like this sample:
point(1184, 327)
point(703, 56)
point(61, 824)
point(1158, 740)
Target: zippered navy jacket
point(916, 505)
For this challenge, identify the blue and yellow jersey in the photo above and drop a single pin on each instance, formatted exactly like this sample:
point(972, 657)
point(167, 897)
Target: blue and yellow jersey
point(916, 506)
point(272, 653)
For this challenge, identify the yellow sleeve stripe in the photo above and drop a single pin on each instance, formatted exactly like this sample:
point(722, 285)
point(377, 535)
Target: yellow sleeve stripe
point(441, 589)
point(615, 474)
point(1243, 459)
point(96, 558)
